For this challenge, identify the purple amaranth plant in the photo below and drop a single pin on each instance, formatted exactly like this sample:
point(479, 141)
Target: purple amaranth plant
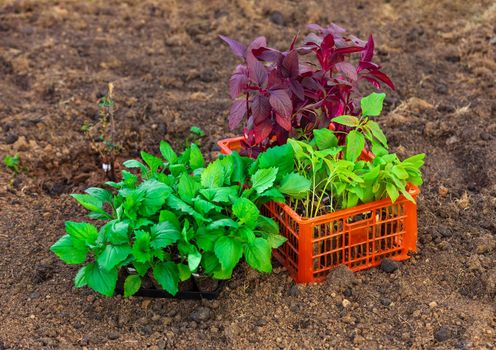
point(281, 94)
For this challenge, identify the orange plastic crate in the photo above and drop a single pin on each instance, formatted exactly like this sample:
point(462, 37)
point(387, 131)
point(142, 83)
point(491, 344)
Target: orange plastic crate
point(359, 237)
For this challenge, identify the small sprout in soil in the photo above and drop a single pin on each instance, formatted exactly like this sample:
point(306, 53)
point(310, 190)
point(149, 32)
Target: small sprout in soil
point(197, 131)
point(13, 163)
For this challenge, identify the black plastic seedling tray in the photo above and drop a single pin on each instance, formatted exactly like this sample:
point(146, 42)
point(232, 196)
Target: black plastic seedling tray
point(194, 293)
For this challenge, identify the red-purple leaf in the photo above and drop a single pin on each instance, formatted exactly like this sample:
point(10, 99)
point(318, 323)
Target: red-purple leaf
point(293, 42)
point(315, 27)
point(367, 65)
point(373, 81)
point(290, 64)
point(284, 122)
point(258, 42)
point(236, 47)
point(328, 42)
point(297, 89)
point(237, 113)
point(382, 77)
point(280, 101)
point(260, 108)
point(262, 131)
point(267, 54)
point(238, 81)
point(349, 49)
point(256, 71)
point(347, 69)
point(368, 52)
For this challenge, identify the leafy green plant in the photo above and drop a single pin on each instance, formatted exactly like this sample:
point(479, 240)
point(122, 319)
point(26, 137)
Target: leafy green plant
point(338, 183)
point(177, 218)
point(363, 128)
point(12, 162)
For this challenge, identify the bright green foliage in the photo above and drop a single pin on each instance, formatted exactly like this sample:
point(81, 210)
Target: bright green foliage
point(12, 162)
point(369, 129)
point(178, 217)
point(336, 176)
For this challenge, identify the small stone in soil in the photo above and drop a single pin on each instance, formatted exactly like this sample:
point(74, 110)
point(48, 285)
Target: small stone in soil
point(442, 334)
point(385, 301)
point(346, 303)
point(276, 17)
point(389, 266)
point(113, 335)
point(294, 291)
point(201, 313)
point(11, 138)
point(348, 292)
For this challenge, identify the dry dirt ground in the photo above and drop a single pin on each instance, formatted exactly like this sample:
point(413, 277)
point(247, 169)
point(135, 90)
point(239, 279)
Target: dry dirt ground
point(170, 72)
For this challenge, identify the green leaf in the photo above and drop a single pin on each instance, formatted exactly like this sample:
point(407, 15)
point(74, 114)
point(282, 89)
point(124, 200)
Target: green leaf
point(399, 172)
point(187, 188)
point(163, 235)
point(372, 104)
point(117, 233)
point(228, 166)
point(295, 185)
point(80, 280)
point(263, 179)
point(258, 255)
point(377, 149)
point(197, 131)
point(275, 241)
point(155, 195)
point(377, 132)
point(355, 142)
point(206, 239)
point(141, 247)
point(167, 152)
point(210, 262)
point(392, 192)
point(194, 259)
point(91, 203)
point(246, 211)
point(153, 162)
point(81, 231)
point(100, 280)
point(131, 285)
point(167, 274)
point(141, 268)
point(272, 195)
point(228, 251)
point(221, 194)
point(281, 157)
point(414, 162)
point(267, 225)
point(177, 169)
point(70, 250)
point(132, 164)
point(184, 272)
point(325, 138)
point(204, 206)
point(239, 169)
point(102, 195)
point(167, 215)
point(112, 256)
point(213, 175)
point(246, 234)
point(176, 203)
point(196, 160)
point(407, 195)
point(226, 222)
point(347, 120)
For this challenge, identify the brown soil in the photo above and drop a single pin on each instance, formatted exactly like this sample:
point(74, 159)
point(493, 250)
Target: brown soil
point(170, 72)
